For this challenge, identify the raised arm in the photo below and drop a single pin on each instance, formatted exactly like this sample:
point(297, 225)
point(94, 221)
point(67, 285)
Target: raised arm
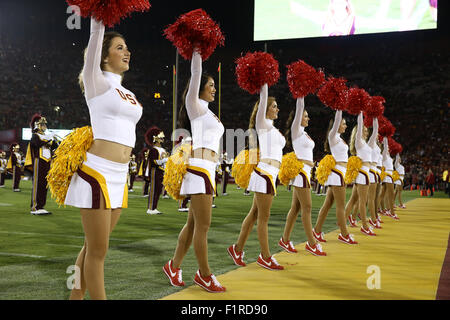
point(296, 127)
point(193, 106)
point(94, 82)
point(385, 148)
point(261, 121)
point(359, 130)
point(397, 161)
point(332, 135)
point(373, 137)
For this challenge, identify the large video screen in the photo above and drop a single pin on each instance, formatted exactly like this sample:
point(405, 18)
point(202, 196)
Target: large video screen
point(288, 19)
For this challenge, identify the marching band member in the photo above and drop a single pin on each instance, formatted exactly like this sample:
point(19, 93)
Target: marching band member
point(132, 171)
point(41, 149)
point(157, 157)
point(3, 163)
point(15, 165)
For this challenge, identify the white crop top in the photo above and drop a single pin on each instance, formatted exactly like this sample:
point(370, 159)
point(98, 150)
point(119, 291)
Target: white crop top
point(363, 150)
point(398, 167)
point(207, 130)
point(115, 113)
point(271, 141)
point(301, 142)
point(387, 160)
point(338, 147)
point(114, 110)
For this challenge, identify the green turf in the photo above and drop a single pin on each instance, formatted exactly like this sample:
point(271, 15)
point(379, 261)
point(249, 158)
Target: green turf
point(140, 245)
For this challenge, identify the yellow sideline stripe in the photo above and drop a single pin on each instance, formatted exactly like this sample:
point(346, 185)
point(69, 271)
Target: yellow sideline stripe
point(409, 253)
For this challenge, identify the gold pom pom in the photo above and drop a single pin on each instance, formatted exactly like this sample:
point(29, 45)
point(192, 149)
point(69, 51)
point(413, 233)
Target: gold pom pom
point(383, 174)
point(243, 166)
point(176, 168)
point(353, 165)
point(395, 176)
point(324, 168)
point(290, 168)
point(69, 156)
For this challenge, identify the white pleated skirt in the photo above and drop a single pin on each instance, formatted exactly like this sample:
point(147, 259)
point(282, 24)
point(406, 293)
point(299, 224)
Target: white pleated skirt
point(263, 179)
point(98, 176)
point(200, 177)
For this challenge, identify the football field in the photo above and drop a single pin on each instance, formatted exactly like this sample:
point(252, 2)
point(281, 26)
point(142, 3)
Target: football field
point(37, 253)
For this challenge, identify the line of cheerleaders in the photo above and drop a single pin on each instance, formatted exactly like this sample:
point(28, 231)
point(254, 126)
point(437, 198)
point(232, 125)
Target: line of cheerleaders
point(90, 167)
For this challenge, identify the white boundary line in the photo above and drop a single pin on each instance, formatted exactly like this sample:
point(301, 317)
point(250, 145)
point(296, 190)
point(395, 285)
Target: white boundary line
point(20, 255)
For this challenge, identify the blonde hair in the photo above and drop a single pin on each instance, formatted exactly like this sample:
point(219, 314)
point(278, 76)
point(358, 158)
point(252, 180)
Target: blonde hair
point(352, 141)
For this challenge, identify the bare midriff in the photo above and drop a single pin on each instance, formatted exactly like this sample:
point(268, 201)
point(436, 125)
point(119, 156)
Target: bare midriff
point(271, 162)
point(341, 163)
point(309, 163)
point(111, 151)
point(205, 154)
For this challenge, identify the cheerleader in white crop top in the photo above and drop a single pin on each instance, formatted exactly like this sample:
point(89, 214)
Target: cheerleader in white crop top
point(363, 151)
point(262, 180)
point(374, 176)
point(399, 183)
point(99, 188)
point(388, 180)
point(335, 182)
point(303, 147)
point(199, 181)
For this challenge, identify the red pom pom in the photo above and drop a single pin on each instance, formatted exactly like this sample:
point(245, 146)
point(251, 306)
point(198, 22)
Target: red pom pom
point(376, 107)
point(368, 121)
point(195, 29)
point(303, 79)
point(358, 99)
point(334, 93)
point(385, 127)
point(394, 146)
point(255, 69)
point(109, 12)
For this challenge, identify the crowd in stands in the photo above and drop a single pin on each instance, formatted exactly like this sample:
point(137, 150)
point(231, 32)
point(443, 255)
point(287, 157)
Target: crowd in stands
point(37, 77)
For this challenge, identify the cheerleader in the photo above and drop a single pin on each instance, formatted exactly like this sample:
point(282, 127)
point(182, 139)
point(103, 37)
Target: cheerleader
point(262, 181)
point(388, 180)
point(336, 191)
point(363, 151)
point(374, 176)
point(301, 197)
point(399, 183)
point(199, 181)
point(99, 188)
